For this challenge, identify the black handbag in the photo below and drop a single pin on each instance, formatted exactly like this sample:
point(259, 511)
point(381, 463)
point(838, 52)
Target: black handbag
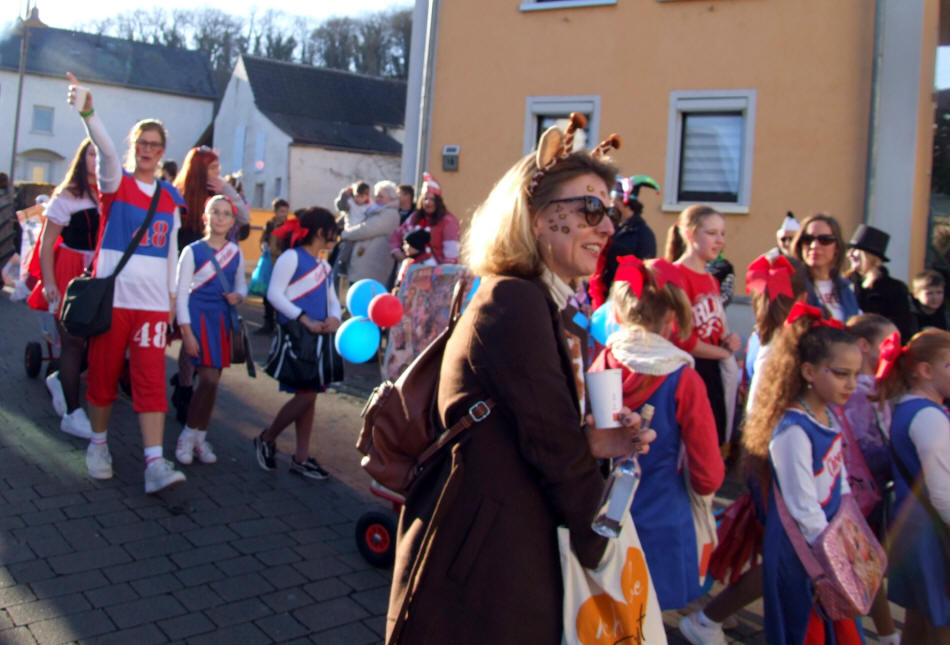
point(240, 343)
point(303, 360)
point(87, 303)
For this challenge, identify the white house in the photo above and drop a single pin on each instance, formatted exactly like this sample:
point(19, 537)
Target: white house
point(129, 81)
point(302, 132)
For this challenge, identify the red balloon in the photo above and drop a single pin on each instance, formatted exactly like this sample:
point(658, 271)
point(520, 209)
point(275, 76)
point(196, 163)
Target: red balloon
point(385, 310)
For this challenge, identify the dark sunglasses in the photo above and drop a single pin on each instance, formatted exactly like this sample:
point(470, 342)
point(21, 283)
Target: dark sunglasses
point(824, 239)
point(594, 209)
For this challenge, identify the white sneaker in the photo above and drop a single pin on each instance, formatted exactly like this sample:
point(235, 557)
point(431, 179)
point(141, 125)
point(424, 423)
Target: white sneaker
point(205, 452)
point(698, 634)
point(56, 392)
point(77, 424)
point(185, 448)
point(99, 461)
point(161, 474)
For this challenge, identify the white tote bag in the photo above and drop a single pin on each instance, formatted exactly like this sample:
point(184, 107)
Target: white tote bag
point(615, 603)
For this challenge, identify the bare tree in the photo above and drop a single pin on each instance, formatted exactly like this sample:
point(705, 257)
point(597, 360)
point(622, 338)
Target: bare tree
point(335, 42)
point(400, 42)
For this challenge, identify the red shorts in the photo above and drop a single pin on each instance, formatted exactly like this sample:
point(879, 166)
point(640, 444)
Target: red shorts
point(143, 334)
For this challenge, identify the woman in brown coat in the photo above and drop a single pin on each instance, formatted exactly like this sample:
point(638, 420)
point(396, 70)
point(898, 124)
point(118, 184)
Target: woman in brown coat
point(477, 559)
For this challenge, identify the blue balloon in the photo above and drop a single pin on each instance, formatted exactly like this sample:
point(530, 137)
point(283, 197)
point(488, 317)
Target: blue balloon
point(602, 323)
point(357, 340)
point(360, 294)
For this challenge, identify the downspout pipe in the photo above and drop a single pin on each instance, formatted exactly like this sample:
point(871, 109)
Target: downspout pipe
point(428, 80)
point(871, 168)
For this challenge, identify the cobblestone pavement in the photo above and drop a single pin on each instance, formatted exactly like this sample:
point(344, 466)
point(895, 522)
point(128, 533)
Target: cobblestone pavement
point(235, 555)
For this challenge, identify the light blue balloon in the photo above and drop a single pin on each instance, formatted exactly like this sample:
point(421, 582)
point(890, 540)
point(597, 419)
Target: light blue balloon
point(360, 294)
point(602, 323)
point(357, 340)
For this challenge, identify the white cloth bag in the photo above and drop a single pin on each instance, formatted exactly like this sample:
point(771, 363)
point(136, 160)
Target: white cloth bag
point(615, 602)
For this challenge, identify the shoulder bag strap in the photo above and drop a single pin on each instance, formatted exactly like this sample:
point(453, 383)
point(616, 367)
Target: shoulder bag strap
point(217, 269)
point(235, 319)
point(796, 537)
point(141, 232)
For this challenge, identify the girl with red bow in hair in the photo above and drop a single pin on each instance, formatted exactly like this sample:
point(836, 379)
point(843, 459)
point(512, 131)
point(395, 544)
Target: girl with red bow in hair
point(301, 288)
point(814, 366)
point(918, 378)
point(648, 299)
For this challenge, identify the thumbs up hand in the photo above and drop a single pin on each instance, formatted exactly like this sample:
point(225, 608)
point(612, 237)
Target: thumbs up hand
point(77, 95)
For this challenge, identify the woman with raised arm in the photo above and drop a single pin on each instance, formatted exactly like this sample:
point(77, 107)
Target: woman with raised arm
point(143, 302)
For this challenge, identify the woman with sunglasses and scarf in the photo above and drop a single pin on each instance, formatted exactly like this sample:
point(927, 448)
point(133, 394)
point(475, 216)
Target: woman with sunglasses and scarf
point(198, 181)
point(485, 567)
point(143, 302)
point(820, 247)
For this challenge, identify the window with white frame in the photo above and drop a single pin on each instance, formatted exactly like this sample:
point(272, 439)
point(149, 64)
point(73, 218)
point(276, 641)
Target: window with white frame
point(540, 5)
point(42, 119)
point(541, 112)
point(709, 149)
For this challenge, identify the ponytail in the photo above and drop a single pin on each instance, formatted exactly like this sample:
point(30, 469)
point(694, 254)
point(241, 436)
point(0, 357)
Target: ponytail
point(690, 219)
point(895, 370)
point(802, 341)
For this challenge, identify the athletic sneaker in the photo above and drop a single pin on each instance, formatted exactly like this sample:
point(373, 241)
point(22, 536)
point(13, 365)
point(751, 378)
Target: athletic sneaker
point(699, 634)
point(310, 468)
point(56, 392)
point(77, 424)
point(185, 448)
point(205, 452)
point(161, 474)
point(99, 461)
point(266, 451)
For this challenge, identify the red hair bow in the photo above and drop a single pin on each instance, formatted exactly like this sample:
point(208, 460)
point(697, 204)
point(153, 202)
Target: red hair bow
point(665, 271)
point(292, 231)
point(774, 279)
point(801, 310)
point(891, 352)
point(630, 270)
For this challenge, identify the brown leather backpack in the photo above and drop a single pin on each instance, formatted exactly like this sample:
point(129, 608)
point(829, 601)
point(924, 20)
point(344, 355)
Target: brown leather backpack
point(401, 427)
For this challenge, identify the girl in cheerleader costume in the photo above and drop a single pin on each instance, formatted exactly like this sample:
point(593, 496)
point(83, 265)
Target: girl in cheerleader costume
point(647, 301)
point(815, 364)
point(301, 288)
point(67, 247)
point(696, 239)
point(199, 180)
point(143, 303)
point(203, 310)
point(917, 377)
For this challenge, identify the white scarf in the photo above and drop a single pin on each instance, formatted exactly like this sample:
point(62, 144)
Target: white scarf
point(560, 291)
point(644, 352)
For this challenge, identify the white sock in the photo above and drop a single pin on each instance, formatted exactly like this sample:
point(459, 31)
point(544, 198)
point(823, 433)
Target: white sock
point(152, 454)
point(202, 435)
point(99, 438)
point(890, 639)
point(188, 431)
point(706, 621)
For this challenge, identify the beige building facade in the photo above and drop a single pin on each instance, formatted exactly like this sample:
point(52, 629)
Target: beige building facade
point(757, 107)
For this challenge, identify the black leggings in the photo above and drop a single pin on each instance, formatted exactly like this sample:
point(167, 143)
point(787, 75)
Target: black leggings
point(708, 369)
point(71, 353)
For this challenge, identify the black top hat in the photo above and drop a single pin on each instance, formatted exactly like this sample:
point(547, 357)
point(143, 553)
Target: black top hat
point(870, 239)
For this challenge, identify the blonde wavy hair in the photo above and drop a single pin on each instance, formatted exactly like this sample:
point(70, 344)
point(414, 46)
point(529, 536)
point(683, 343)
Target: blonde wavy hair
point(500, 239)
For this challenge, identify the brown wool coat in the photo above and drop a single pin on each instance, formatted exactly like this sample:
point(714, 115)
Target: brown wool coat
point(477, 560)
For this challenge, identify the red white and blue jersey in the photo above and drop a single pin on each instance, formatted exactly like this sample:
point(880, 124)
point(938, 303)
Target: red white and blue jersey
point(308, 286)
point(148, 279)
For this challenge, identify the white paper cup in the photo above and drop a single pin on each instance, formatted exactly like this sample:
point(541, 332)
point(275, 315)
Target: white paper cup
point(606, 396)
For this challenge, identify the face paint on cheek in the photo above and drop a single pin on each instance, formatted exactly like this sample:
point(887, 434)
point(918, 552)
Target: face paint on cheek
point(590, 188)
point(566, 230)
point(562, 216)
point(582, 225)
point(554, 227)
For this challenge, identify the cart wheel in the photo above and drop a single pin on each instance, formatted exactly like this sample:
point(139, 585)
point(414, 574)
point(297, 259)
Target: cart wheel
point(33, 359)
point(376, 538)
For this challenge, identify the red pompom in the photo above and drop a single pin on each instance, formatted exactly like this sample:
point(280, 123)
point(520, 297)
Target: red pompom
point(385, 310)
